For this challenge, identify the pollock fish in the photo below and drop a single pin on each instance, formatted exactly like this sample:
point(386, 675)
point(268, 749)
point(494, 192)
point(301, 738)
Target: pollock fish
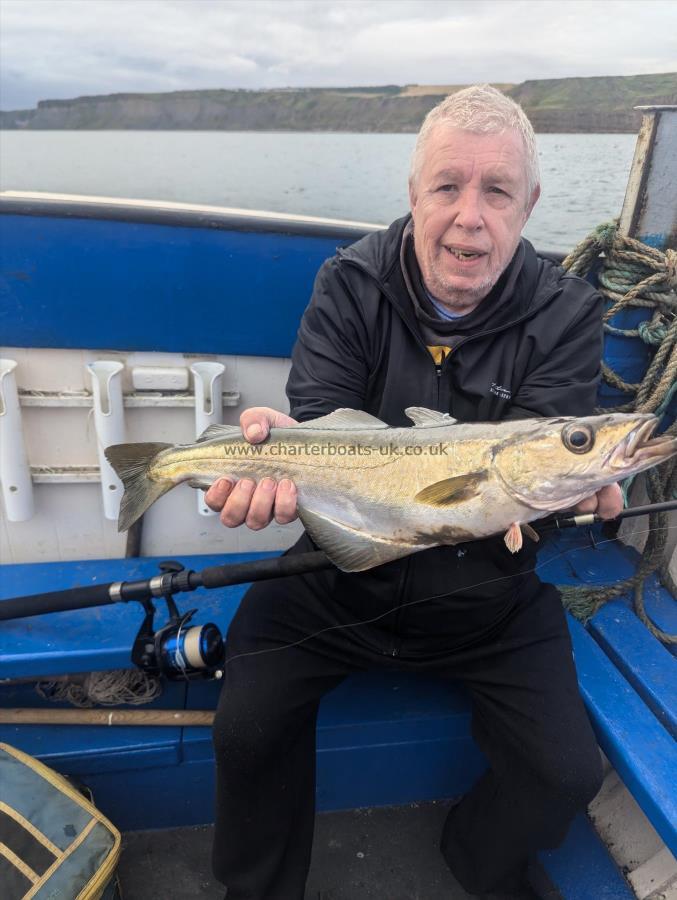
point(368, 493)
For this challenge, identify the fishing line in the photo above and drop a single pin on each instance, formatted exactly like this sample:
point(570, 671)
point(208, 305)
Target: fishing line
point(388, 612)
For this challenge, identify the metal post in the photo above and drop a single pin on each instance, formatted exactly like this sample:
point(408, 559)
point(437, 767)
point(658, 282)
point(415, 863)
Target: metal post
point(650, 206)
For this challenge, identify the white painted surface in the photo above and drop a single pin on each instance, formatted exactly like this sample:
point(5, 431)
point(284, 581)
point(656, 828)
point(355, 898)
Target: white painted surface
point(68, 521)
point(62, 399)
point(15, 476)
point(109, 423)
point(208, 387)
point(160, 378)
point(657, 874)
point(633, 842)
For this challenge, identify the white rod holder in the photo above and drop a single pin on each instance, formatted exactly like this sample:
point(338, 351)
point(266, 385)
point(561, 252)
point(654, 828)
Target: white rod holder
point(109, 420)
point(15, 473)
point(208, 388)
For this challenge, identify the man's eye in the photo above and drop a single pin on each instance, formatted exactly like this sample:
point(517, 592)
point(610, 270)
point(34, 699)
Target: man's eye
point(447, 187)
point(497, 190)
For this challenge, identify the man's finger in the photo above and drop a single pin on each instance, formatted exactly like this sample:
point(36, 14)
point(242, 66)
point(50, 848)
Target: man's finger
point(285, 502)
point(588, 505)
point(218, 493)
point(257, 421)
point(236, 507)
point(261, 505)
point(609, 501)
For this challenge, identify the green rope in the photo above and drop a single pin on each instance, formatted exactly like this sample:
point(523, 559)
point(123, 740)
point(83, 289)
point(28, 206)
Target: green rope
point(633, 274)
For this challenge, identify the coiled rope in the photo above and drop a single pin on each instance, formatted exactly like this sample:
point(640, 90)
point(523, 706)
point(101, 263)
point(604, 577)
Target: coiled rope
point(111, 688)
point(632, 274)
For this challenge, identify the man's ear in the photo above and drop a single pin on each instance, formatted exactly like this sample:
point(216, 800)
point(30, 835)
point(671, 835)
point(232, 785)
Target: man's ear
point(535, 194)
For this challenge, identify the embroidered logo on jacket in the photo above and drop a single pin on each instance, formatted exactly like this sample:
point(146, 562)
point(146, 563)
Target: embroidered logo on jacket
point(503, 392)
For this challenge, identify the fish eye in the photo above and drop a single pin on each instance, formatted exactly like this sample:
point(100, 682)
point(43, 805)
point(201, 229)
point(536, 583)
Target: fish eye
point(578, 438)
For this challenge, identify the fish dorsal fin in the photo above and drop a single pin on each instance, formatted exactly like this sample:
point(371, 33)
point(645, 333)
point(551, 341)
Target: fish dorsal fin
point(341, 419)
point(428, 418)
point(351, 550)
point(220, 431)
point(453, 490)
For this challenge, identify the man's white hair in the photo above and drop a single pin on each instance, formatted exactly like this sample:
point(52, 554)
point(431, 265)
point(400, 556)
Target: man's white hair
point(480, 109)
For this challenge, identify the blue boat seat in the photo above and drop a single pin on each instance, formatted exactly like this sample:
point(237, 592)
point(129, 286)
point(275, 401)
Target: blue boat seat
point(627, 676)
point(382, 738)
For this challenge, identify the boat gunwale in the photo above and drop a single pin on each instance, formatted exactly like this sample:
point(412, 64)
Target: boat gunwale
point(160, 212)
point(170, 213)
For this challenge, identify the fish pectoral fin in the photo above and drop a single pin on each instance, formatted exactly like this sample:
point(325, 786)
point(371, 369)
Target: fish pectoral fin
point(355, 419)
point(201, 483)
point(220, 431)
point(513, 538)
point(351, 550)
point(530, 532)
point(453, 490)
point(428, 418)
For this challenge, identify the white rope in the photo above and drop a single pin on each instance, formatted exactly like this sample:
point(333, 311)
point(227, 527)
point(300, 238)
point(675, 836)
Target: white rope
point(119, 686)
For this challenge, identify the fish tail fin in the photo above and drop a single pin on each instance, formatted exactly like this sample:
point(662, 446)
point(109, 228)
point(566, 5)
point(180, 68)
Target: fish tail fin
point(131, 463)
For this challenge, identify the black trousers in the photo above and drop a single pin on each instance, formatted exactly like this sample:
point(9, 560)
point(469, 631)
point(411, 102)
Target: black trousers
point(511, 651)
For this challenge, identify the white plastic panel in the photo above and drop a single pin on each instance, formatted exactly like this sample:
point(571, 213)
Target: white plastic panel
point(15, 474)
point(109, 419)
point(208, 389)
point(68, 522)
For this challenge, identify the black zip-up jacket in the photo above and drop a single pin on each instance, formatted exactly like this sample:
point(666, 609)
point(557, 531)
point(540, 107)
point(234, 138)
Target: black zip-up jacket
point(359, 346)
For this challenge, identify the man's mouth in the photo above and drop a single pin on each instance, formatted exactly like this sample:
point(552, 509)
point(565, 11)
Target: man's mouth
point(465, 254)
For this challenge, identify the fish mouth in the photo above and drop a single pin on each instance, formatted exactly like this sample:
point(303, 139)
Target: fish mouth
point(639, 448)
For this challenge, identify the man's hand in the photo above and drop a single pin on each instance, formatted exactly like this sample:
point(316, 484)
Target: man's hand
point(244, 500)
point(606, 503)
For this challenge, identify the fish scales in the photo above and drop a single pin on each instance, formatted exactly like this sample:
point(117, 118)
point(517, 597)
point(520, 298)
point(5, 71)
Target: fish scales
point(368, 493)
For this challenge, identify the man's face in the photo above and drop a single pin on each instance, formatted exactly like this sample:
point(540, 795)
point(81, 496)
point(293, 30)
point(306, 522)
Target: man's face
point(469, 205)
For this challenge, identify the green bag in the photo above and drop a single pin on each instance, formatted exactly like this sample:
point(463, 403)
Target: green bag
point(54, 844)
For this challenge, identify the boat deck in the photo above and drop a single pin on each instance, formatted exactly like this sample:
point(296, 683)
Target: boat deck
point(386, 852)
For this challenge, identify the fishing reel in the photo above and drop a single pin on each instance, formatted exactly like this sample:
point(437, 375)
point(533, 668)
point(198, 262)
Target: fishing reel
point(177, 650)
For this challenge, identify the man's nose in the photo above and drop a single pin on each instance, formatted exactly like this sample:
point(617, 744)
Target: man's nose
point(469, 211)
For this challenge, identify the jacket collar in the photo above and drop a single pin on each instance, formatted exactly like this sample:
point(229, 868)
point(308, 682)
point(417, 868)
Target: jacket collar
point(378, 254)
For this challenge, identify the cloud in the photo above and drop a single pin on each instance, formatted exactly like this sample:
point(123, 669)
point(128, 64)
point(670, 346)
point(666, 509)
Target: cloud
point(64, 48)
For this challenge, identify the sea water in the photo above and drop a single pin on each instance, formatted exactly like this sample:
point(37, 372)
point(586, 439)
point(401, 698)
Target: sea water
point(349, 176)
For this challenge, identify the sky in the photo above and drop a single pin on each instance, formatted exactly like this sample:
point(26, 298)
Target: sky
point(52, 49)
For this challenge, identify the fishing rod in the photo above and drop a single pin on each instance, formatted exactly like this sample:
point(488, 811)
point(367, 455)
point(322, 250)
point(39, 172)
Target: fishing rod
point(175, 579)
point(586, 519)
point(180, 651)
point(177, 650)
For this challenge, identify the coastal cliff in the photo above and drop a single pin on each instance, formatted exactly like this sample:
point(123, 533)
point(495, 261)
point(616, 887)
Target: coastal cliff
point(601, 104)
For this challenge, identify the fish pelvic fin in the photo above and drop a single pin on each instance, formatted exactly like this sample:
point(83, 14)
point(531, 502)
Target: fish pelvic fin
point(513, 538)
point(131, 463)
point(451, 491)
point(351, 550)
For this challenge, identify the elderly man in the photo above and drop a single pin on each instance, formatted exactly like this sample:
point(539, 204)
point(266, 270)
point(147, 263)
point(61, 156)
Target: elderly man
point(450, 309)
